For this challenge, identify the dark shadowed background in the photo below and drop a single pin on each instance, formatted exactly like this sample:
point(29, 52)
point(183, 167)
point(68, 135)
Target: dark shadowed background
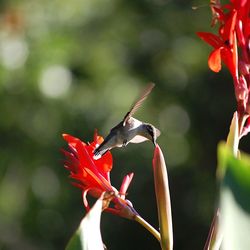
point(73, 66)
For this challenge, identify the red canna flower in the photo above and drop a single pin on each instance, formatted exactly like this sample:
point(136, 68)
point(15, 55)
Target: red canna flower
point(225, 48)
point(93, 176)
point(232, 46)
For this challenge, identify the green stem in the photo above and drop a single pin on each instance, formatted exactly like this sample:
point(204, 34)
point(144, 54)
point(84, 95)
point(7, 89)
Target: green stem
point(145, 224)
point(215, 236)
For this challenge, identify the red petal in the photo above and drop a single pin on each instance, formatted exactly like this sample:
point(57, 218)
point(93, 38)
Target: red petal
point(97, 139)
point(71, 159)
point(229, 59)
point(125, 184)
point(218, 13)
point(85, 201)
point(71, 139)
point(105, 163)
point(210, 38)
point(229, 28)
point(104, 184)
point(214, 60)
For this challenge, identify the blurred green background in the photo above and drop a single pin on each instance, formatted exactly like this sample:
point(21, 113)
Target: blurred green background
point(73, 66)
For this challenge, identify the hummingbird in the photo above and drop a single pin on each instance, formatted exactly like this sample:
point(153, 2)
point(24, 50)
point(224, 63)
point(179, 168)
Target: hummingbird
point(129, 129)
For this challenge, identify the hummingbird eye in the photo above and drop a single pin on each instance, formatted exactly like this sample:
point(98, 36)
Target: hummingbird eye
point(150, 130)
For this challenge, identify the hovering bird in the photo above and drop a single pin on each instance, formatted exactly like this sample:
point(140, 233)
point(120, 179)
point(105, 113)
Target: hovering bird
point(129, 129)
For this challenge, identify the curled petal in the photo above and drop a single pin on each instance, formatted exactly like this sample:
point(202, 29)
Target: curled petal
point(84, 198)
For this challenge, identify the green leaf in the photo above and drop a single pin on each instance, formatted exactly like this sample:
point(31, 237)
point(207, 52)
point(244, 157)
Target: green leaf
point(234, 199)
point(88, 235)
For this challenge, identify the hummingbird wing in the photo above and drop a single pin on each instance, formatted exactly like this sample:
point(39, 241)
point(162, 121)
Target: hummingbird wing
point(138, 103)
point(138, 139)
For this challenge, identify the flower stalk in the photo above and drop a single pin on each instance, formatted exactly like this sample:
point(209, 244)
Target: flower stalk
point(147, 226)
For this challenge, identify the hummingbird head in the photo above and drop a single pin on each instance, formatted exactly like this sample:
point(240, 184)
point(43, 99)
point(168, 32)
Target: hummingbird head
point(152, 132)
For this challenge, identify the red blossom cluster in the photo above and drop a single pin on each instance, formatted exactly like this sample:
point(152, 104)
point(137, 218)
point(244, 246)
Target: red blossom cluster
point(232, 47)
point(93, 176)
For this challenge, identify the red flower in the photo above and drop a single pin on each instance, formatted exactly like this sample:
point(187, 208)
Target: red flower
point(233, 38)
point(242, 23)
point(93, 176)
point(225, 47)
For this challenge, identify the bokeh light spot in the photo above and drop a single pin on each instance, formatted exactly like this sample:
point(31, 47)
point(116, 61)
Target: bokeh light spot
point(14, 52)
point(55, 81)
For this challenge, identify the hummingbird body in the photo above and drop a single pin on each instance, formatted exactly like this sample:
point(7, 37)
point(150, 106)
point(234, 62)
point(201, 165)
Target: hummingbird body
point(129, 130)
